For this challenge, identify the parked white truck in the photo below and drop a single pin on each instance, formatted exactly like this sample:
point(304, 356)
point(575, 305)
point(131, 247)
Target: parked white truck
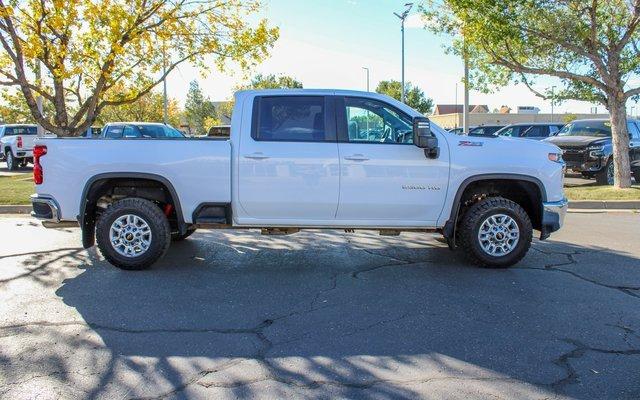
point(304, 159)
point(16, 144)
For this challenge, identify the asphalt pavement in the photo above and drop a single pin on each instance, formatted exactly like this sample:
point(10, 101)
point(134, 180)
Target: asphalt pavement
point(322, 314)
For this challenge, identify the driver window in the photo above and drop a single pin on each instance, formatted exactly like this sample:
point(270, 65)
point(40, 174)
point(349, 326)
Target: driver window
point(370, 121)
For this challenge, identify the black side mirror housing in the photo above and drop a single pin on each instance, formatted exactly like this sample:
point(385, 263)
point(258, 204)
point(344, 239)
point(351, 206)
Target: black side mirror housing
point(424, 138)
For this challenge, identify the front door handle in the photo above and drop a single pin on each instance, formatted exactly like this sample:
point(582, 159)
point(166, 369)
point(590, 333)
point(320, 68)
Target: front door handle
point(256, 156)
point(356, 157)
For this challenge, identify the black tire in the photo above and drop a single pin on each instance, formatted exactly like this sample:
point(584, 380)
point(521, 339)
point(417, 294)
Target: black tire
point(605, 176)
point(176, 237)
point(636, 174)
point(155, 219)
point(12, 165)
point(472, 221)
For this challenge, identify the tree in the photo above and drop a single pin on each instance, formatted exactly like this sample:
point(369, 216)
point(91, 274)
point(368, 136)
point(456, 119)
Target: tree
point(592, 47)
point(272, 81)
point(89, 48)
point(148, 108)
point(198, 108)
point(414, 96)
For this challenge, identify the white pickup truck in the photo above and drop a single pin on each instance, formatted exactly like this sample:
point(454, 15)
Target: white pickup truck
point(16, 144)
point(304, 159)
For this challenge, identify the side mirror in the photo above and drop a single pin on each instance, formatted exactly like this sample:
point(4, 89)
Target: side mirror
point(423, 138)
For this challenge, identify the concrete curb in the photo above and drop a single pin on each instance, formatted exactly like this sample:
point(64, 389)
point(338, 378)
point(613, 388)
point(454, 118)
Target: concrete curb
point(15, 209)
point(604, 204)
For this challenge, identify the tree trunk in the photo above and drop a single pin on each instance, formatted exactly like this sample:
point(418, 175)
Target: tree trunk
point(620, 137)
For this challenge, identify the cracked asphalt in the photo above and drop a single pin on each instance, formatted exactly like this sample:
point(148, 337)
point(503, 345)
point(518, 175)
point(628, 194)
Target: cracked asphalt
point(322, 314)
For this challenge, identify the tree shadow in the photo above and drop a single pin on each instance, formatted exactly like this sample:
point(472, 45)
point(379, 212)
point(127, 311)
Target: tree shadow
point(323, 314)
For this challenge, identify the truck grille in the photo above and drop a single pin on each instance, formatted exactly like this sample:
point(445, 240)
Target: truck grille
point(574, 155)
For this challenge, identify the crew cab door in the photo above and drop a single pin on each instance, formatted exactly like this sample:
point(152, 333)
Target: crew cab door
point(288, 165)
point(384, 179)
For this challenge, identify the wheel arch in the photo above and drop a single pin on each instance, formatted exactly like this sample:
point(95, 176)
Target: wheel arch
point(533, 188)
point(98, 184)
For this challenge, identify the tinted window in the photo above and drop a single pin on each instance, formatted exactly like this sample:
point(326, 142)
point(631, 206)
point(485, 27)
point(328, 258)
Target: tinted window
point(21, 130)
point(536, 131)
point(156, 131)
point(586, 128)
point(633, 130)
point(114, 132)
point(553, 129)
point(290, 119)
point(374, 121)
point(130, 132)
point(511, 131)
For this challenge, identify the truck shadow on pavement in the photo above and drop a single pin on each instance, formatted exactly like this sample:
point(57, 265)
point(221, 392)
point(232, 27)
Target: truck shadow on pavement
point(323, 314)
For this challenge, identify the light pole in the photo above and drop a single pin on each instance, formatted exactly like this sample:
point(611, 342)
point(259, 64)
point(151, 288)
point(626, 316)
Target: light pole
point(403, 17)
point(552, 100)
point(165, 102)
point(367, 69)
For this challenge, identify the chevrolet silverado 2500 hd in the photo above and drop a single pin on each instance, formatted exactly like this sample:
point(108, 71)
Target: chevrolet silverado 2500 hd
point(304, 159)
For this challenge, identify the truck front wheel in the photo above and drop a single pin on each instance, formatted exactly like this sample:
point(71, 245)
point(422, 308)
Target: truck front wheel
point(495, 232)
point(133, 233)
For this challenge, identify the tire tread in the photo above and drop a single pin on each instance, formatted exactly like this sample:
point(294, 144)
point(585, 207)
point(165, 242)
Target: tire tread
point(153, 215)
point(467, 233)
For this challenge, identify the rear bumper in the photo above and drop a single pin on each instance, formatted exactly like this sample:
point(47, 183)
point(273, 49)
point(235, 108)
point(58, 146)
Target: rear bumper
point(45, 208)
point(553, 216)
point(24, 153)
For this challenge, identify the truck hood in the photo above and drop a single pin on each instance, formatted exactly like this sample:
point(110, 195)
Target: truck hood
point(577, 141)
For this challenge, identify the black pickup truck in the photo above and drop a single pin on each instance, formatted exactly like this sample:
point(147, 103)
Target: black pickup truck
point(587, 148)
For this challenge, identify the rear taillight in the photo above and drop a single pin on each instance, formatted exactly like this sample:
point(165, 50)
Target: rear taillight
point(39, 150)
point(19, 142)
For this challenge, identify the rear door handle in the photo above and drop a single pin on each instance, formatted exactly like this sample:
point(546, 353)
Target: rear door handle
point(356, 157)
point(256, 156)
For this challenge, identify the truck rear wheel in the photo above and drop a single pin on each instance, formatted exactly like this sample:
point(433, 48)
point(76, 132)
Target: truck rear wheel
point(495, 232)
point(133, 233)
point(11, 161)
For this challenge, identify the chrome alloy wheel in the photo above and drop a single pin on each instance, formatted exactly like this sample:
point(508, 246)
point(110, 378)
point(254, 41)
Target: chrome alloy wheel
point(130, 235)
point(498, 235)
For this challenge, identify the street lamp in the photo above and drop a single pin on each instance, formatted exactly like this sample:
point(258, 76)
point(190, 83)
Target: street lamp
point(403, 16)
point(367, 69)
point(552, 100)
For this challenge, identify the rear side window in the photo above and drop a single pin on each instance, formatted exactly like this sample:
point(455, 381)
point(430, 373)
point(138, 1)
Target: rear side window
point(114, 132)
point(21, 130)
point(291, 119)
point(536, 131)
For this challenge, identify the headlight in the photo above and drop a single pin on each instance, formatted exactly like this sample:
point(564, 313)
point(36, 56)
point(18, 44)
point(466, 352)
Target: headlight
point(556, 157)
point(595, 148)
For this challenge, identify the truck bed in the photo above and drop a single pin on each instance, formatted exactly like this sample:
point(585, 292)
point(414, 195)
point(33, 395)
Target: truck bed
point(199, 169)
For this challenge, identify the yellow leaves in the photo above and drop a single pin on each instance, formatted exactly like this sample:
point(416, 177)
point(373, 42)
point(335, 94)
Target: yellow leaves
point(101, 44)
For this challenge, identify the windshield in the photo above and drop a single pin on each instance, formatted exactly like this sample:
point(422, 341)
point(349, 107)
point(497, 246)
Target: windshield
point(157, 131)
point(587, 128)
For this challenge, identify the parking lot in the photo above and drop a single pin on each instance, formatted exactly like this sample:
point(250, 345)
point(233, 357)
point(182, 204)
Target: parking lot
point(322, 314)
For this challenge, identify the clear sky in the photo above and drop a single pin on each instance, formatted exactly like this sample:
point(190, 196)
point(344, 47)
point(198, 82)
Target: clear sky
point(325, 44)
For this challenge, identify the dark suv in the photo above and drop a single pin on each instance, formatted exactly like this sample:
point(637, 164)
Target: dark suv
point(531, 130)
point(587, 148)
